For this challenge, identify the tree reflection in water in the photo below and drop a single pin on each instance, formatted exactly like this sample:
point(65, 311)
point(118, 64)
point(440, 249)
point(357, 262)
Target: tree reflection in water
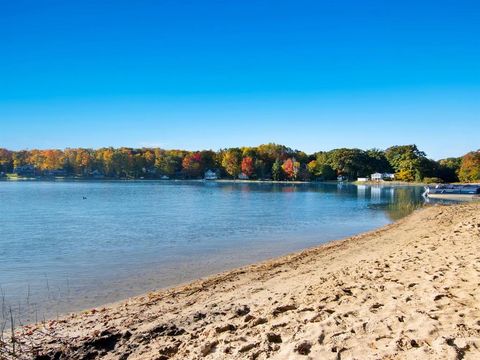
point(404, 203)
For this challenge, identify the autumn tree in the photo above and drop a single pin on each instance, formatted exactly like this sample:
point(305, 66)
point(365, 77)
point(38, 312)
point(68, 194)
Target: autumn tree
point(104, 157)
point(269, 153)
point(79, 161)
point(231, 162)
point(192, 165)
point(20, 158)
point(265, 161)
point(35, 158)
point(248, 166)
point(312, 167)
point(52, 160)
point(470, 167)
point(291, 167)
point(149, 158)
point(6, 160)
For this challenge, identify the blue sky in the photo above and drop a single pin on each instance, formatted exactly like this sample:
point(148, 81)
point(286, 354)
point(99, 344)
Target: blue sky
point(313, 75)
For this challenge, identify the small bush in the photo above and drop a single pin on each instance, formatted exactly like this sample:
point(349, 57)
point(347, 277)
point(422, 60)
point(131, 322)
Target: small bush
point(433, 180)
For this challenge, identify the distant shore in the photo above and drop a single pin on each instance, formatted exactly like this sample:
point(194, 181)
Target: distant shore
point(240, 181)
point(67, 178)
point(408, 290)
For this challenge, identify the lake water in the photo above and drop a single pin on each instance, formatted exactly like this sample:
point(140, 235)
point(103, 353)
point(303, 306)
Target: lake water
point(67, 246)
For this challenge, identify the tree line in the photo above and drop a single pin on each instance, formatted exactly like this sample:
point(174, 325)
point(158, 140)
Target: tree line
point(267, 161)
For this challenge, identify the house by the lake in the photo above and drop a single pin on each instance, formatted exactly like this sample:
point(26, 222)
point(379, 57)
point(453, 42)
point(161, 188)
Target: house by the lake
point(25, 170)
point(363, 179)
point(243, 176)
point(210, 175)
point(382, 176)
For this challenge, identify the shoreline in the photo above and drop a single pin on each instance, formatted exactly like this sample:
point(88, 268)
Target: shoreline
point(281, 308)
point(226, 181)
point(389, 183)
point(106, 179)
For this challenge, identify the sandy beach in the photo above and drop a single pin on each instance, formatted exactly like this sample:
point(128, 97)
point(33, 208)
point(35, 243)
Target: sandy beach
point(410, 290)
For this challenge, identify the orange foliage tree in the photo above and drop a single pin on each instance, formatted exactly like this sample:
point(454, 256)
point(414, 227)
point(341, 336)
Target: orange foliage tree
point(470, 167)
point(192, 164)
point(290, 168)
point(247, 166)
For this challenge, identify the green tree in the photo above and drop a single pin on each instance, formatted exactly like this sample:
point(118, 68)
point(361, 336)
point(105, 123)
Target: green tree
point(321, 171)
point(448, 169)
point(210, 160)
point(377, 162)
point(407, 161)
point(260, 169)
point(277, 170)
point(347, 162)
point(167, 163)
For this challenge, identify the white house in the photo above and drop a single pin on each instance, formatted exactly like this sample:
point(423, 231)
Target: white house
point(210, 175)
point(243, 176)
point(362, 179)
point(382, 176)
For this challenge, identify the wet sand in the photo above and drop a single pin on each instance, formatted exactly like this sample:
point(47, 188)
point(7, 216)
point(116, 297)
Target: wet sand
point(410, 290)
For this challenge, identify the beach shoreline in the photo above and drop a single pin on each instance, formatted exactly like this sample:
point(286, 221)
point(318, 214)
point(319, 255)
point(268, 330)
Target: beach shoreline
point(389, 293)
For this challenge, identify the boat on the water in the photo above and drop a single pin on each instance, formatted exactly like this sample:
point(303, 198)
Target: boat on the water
point(453, 192)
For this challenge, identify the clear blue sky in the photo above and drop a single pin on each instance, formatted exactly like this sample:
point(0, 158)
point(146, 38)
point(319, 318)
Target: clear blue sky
point(312, 75)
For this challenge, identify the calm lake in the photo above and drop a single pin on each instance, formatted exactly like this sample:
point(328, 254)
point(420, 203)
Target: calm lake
point(67, 246)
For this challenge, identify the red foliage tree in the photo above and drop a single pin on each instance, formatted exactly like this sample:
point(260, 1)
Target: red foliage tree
point(247, 166)
point(290, 168)
point(192, 164)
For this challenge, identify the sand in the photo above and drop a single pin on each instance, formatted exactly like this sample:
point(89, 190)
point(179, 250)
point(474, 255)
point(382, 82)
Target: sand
point(410, 290)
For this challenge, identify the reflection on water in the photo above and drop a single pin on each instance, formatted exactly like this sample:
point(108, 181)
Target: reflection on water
point(60, 252)
point(403, 201)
